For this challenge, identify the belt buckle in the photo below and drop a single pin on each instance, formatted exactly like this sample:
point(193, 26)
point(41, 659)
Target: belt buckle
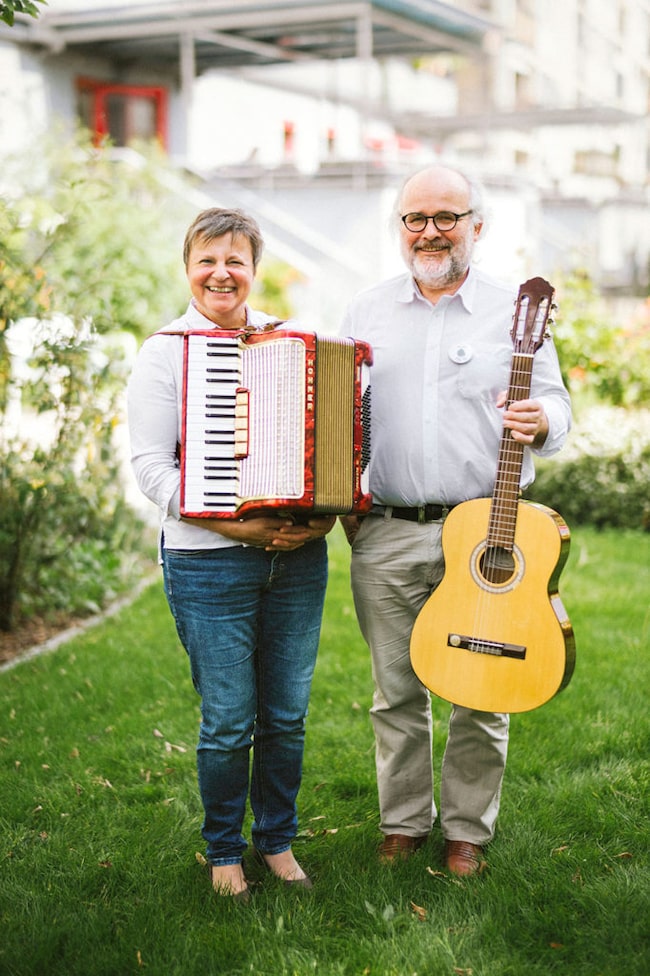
point(432, 513)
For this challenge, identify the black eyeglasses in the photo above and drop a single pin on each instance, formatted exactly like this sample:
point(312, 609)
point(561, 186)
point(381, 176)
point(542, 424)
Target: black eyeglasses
point(443, 221)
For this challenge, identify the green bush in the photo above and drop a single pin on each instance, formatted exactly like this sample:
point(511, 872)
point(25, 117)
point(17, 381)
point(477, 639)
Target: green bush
point(89, 248)
point(603, 476)
point(602, 358)
point(65, 532)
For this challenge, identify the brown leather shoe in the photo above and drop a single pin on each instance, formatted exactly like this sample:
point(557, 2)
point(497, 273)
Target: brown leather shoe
point(464, 858)
point(399, 847)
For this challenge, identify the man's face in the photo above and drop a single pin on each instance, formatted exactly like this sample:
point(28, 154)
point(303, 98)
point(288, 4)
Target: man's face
point(437, 259)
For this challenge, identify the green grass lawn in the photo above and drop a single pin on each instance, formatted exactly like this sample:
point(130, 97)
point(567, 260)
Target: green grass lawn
point(100, 816)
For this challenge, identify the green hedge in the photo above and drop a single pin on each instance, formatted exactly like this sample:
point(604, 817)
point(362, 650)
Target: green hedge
point(602, 477)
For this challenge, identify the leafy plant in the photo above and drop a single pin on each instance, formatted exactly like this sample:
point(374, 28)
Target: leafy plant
point(88, 249)
point(602, 477)
point(9, 8)
point(602, 359)
point(59, 486)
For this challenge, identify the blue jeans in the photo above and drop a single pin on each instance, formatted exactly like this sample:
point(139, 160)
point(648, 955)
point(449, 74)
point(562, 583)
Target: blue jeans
point(250, 622)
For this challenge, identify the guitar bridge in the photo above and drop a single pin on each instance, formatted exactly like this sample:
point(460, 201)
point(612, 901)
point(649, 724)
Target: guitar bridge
point(479, 646)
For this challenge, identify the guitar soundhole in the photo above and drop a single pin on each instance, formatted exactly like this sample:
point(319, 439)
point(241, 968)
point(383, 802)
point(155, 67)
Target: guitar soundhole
point(497, 565)
point(495, 568)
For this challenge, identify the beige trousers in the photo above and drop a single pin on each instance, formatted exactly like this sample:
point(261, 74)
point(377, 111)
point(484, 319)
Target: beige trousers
point(395, 567)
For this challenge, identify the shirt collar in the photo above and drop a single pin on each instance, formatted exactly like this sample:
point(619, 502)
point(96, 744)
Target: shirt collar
point(197, 320)
point(466, 294)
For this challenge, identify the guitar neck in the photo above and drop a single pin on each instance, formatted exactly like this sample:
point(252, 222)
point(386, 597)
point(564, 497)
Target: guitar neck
point(503, 510)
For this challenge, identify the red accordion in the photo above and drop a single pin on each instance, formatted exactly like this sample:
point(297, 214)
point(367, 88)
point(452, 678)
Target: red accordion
point(274, 422)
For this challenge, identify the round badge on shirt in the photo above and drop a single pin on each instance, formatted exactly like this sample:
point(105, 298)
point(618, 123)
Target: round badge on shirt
point(461, 354)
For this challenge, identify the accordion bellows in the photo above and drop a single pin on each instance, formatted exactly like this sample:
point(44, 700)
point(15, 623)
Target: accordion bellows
point(274, 422)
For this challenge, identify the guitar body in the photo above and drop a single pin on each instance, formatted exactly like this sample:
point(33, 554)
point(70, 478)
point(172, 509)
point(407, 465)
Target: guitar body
point(504, 646)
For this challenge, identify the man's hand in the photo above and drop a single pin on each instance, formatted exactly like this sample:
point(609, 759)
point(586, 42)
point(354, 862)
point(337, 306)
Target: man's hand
point(351, 525)
point(526, 420)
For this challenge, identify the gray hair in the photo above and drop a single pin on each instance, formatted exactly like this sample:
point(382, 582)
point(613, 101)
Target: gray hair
point(216, 222)
point(476, 195)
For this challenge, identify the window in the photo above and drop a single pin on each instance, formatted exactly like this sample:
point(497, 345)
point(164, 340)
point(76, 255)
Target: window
point(123, 113)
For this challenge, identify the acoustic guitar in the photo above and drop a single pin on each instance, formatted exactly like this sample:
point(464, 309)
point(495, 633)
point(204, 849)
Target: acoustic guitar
point(494, 635)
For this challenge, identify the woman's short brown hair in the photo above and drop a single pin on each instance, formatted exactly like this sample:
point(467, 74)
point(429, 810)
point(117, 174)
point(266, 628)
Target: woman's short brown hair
point(216, 222)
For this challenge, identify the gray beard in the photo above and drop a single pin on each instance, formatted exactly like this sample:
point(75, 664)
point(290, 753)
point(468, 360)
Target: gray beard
point(452, 271)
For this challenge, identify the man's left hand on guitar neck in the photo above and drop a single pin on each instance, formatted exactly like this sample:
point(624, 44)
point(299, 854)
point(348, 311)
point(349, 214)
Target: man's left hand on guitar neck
point(526, 419)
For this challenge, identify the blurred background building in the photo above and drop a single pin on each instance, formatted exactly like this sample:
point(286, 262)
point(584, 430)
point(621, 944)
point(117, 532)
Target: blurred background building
point(311, 114)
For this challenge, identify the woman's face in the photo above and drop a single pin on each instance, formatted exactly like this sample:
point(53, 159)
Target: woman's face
point(221, 273)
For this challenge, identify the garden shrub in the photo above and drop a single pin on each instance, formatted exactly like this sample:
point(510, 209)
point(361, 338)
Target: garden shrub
point(602, 477)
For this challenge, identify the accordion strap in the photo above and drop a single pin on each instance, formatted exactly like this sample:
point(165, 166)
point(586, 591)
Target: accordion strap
point(234, 333)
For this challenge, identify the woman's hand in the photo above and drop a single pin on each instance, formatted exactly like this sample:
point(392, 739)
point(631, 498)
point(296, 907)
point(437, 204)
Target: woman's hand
point(270, 532)
point(292, 536)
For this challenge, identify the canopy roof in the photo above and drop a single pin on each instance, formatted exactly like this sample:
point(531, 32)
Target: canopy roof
point(236, 33)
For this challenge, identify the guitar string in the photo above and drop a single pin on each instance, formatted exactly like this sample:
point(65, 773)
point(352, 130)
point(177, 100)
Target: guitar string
point(505, 503)
point(504, 507)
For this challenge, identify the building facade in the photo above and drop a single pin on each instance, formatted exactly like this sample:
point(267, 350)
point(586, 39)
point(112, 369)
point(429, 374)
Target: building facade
point(310, 115)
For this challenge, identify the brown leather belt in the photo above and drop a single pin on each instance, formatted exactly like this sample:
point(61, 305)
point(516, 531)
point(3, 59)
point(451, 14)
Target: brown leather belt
point(421, 514)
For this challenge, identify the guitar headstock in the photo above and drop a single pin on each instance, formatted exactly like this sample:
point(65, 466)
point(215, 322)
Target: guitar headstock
point(533, 308)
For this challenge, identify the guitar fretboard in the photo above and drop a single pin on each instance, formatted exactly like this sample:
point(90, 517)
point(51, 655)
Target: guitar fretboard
point(528, 332)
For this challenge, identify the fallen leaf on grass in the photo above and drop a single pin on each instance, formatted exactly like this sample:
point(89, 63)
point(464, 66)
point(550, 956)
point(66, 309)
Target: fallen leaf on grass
point(419, 912)
point(436, 874)
point(200, 859)
point(625, 854)
point(463, 972)
point(170, 745)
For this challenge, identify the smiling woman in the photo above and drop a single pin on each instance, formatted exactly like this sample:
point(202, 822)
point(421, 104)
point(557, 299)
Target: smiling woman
point(220, 273)
point(246, 594)
point(222, 250)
